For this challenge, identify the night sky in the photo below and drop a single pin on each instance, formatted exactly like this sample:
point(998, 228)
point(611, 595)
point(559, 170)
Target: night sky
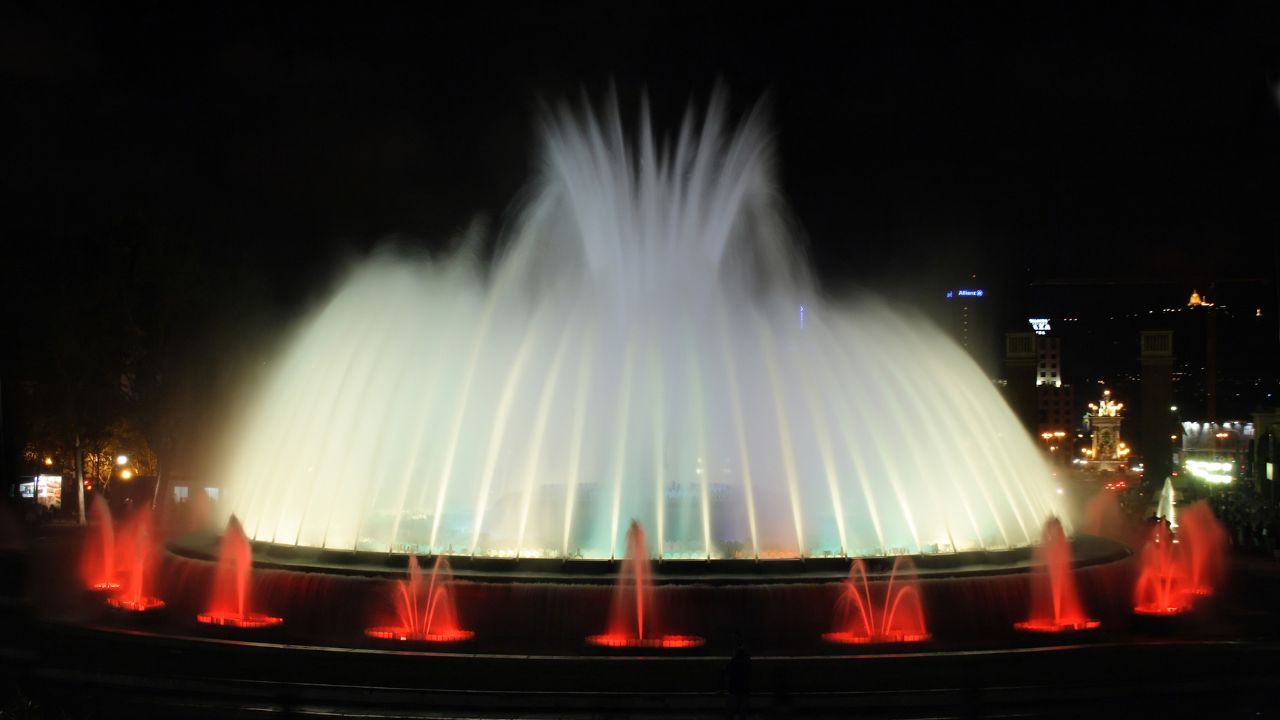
point(263, 146)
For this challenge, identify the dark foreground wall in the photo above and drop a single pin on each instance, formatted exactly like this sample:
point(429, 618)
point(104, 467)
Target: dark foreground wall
point(555, 617)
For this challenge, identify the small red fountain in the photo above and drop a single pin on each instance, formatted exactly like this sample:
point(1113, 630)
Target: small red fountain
point(1055, 603)
point(898, 618)
point(230, 604)
point(1204, 542)
point(137, 550)
point(633, 621)
point(1162, 584)
point(424, 608)
point(98, 562)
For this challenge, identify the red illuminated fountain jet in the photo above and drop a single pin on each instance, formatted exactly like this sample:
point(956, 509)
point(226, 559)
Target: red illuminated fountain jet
point(98, 563)
point(1204, 544)
point(633, 620)
point(137, 550)
point(424, 608)
point(1177, 569)
point(1162, 585)
point(230, 604)
point(864, 616)
point(1055, 603)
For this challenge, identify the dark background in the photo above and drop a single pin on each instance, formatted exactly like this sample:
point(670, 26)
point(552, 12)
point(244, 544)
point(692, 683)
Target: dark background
point(183, 179)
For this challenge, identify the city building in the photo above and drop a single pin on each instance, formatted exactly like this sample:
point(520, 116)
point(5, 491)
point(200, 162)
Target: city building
point(1216, 453)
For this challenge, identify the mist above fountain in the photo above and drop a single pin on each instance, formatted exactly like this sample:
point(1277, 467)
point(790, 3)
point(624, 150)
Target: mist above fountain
point(98, 557)
point(137, 552)
point(647, 345)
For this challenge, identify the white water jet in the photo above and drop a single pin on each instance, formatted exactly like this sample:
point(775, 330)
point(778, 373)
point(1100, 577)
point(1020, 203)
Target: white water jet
point(637, 351)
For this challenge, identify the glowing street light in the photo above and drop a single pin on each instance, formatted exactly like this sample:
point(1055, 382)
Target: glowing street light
point(48, 461)
point(122, 459)
point(126, 474)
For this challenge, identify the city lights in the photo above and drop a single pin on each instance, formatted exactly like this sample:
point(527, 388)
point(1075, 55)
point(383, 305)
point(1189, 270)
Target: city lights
point(1215, 472)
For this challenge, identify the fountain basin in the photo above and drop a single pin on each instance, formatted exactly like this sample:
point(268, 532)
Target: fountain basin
point(853, 638)
point(661, 642)
point(249, 621)
point(544, 606)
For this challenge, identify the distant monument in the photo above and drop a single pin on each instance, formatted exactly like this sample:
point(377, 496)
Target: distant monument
point(1109, 452)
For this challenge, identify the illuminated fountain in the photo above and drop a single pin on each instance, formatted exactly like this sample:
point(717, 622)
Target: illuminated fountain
point(1162, 582)
point(137, 553)
point(868, 616)
point(648, 344)
point(98, 560)
point(634, 617)
point(1176, 568)
point(230, 605)
point(1205, 542)
point(424, 607)
point(1055, 603)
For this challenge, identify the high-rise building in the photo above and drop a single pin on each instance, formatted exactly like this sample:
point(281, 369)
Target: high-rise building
point(1049, 360)
point(969, 320)
point(1020, 364)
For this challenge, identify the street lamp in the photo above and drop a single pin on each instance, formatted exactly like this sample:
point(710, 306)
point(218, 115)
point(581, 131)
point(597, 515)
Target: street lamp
point(126, 474)
point(122, 459)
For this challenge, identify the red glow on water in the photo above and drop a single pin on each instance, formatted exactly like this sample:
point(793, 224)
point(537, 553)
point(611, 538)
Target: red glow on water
point(230, 603)
point(887, 612)
point(249, 621)
point(634, 620)
point(424, 607)
point(1048, 626)
point(98, 559)
point(611, 640)
point(1055, 602)
point(403, 634)
point(142, 604)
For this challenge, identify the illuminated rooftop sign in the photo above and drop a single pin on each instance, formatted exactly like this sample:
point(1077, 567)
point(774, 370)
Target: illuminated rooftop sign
point(965, 293)
point(1040, 325)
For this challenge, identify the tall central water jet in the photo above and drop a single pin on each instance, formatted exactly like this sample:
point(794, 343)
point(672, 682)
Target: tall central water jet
point(636, 350)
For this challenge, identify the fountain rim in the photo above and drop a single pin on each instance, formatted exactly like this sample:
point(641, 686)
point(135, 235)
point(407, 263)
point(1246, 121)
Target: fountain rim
point(1087, 550)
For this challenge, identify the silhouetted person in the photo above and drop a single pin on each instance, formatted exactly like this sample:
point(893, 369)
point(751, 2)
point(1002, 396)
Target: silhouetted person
point(738, 682)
